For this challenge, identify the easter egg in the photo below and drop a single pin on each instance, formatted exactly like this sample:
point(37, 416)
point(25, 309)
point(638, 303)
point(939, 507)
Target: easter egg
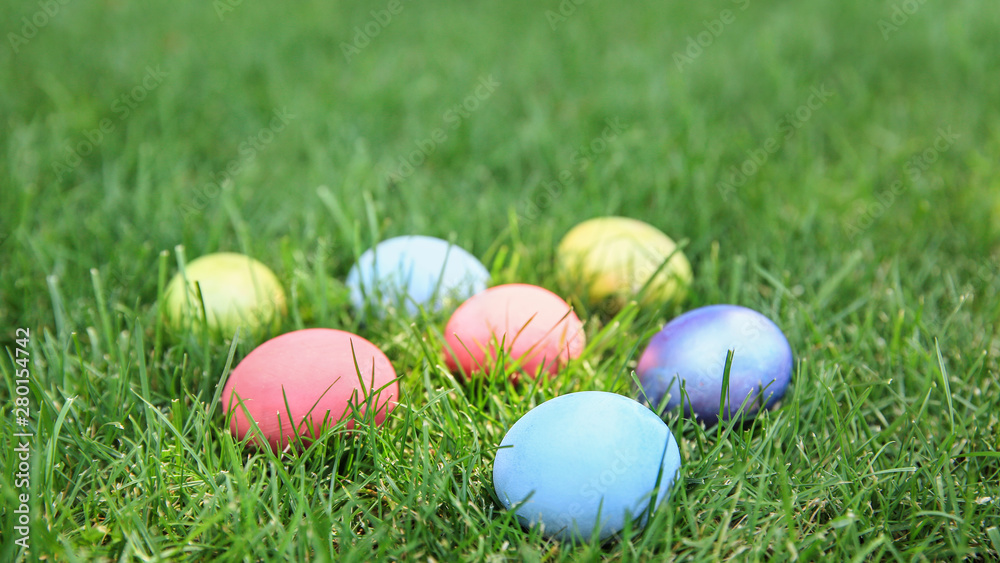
point(691, 351)
point(236, 291)
point(301, 382)
point(406, 273)
point(537, 329)
point(608, 260)
point(583, 454)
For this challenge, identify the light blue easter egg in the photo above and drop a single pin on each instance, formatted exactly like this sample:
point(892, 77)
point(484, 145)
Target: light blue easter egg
point(405, 273)
point(691, 351)
point(586, 454)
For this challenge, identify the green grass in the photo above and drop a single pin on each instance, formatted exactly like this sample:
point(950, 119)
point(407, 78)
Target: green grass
point(887, 446)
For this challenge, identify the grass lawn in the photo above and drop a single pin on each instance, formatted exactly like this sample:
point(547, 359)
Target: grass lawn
point(833, 165)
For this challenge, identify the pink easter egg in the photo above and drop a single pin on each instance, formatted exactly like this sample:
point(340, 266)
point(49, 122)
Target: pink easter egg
point(314, 371)
point(537, 328)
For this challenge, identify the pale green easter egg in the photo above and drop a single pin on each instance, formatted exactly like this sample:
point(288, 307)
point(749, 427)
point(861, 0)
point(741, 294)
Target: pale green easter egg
point(237, 291)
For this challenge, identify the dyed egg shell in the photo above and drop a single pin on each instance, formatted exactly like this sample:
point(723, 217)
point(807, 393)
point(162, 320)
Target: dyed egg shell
point(236, 290)
point(612, 258)
point(538, 329)
point(692, 349)
point(415, 271)
point(583, 453)
point(314, 371)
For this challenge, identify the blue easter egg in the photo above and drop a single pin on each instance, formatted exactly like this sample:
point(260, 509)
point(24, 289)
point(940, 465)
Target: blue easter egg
point(583, 454)
point(415, 271)
point(692, 349)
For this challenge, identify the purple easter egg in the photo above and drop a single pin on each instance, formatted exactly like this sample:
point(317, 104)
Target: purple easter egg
point(691, 352)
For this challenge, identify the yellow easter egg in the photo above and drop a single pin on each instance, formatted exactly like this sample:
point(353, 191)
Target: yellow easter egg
point(610, 259)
